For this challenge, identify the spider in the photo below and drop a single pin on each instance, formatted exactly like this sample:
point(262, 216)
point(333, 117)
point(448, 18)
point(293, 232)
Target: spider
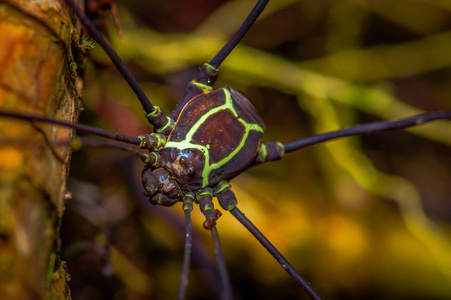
point(290, 171)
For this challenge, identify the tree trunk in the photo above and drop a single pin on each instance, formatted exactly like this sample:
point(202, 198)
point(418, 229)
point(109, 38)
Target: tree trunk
point(37, 76)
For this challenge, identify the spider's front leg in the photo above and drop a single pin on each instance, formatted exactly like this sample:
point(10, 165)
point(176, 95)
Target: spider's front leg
point(205, 199)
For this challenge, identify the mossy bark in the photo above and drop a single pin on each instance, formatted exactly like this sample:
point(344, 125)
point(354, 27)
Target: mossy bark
point(37, 76)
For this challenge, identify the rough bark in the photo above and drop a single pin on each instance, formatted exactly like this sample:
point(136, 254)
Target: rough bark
point(37, 76)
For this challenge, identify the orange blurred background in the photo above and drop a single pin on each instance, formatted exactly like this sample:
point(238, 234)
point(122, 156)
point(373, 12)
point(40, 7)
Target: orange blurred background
point(361, 218)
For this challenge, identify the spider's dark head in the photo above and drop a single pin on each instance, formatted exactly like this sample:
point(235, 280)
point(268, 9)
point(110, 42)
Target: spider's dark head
point(160, 187)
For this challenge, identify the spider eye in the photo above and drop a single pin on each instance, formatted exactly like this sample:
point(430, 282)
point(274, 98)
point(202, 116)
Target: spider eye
point(182, 160)
point(191, 171)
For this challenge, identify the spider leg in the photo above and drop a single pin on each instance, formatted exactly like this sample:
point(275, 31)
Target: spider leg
point(225, 280)
point(206, 76)
point(271, 151)
point(187, 208)
point(205, 198)
point(154, 114)
point(239, 34)
point(80, 127)
point(79, 142)
point(228, 201)
point(152, 141)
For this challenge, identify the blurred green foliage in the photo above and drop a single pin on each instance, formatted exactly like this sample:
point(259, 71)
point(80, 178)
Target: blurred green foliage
point(360, 218)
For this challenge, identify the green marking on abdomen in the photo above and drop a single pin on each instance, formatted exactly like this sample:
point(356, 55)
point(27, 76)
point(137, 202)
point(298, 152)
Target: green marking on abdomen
point(187, 142)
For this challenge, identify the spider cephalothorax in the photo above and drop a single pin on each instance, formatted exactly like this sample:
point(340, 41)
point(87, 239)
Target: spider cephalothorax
point(160, 187)
point(217, 136)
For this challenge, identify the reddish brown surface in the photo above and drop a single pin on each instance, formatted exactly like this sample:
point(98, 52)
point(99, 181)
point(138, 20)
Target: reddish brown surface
point(35, 78)
point(195, 109)
point(221, 133)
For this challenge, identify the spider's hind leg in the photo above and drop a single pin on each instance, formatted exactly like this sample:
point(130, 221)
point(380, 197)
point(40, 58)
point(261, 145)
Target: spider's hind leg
point(205, 198)
point(228, 201)
point(188, 200)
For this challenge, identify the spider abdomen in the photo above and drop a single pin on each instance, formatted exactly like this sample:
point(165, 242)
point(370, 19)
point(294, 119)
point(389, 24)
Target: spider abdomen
point(216, 137)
